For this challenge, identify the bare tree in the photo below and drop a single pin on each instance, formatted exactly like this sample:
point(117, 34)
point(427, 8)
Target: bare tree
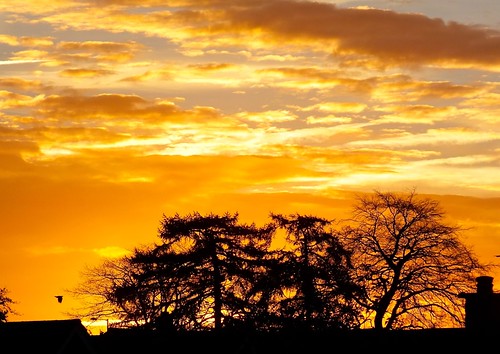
point(115, 290)
point(5, 305)
point(411, 264)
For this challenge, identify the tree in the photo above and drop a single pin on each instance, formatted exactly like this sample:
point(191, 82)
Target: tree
point(210, 262)
point(5, 305)
point(117, 290)
point(411, 264)
point(312, 275)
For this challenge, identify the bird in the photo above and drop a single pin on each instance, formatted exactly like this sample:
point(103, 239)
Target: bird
point(59, 298)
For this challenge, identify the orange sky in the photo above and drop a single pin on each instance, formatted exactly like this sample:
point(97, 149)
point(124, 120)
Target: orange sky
point(114, 112)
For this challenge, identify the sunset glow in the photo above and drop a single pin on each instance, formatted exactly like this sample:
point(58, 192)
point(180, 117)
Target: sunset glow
point(115, 112)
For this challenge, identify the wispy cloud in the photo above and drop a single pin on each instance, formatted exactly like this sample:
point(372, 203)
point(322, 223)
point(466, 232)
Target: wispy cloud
point(18, 62)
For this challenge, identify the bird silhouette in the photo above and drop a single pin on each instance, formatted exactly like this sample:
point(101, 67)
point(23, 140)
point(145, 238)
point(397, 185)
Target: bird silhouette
point(59, 298)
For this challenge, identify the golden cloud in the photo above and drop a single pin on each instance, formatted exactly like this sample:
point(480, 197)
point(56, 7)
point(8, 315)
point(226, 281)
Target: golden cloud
point(314, 78)
point(32, 54)
point(37, 6)
point(10, 100)
point(103, 106)
point(417, 114)
point(391, 88)
point(8, 39)
point(211, 66)
point(268, 116)
point(85, 73)
point(36, 41)
point(392, 38)
point(395, 38)
point(337, 107)
point(160, 74)
point(102, 51)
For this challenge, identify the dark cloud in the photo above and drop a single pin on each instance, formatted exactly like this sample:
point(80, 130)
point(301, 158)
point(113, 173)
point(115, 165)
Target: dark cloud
point(390, 36)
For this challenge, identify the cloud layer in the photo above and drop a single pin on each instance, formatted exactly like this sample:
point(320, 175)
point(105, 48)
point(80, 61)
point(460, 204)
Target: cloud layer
point(114, 112)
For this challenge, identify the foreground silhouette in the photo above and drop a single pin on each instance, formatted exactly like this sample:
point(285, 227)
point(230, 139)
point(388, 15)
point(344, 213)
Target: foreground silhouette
point(71, 337)
point(395, 264)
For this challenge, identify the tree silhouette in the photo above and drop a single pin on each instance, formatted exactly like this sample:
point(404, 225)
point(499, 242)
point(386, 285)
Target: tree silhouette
point(411, 264)
point(210, 262)
point(313, 275)
point(5, 305)
point(117, 289)
point(395, 264)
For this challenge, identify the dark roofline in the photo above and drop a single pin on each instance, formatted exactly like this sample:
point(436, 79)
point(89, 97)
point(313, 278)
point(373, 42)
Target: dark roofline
point(57, 336)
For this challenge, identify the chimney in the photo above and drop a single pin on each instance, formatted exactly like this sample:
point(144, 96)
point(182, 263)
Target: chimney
point(482, 308)
point(484, 285)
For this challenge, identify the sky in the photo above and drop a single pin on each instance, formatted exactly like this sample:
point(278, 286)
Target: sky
point(116, 112)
